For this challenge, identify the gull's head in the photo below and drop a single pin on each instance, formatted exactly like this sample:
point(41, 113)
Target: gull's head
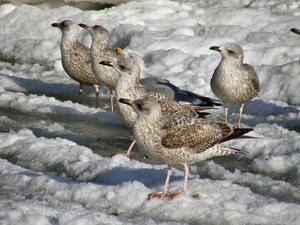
point(68, 28)
point(127, 65)
point(143, 106)
point(230, 51)
point(296, 31)
point(98, 33)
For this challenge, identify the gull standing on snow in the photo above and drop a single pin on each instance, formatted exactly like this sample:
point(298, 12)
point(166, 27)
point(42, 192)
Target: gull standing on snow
point(233, 81)
point(179, 139)
point(76, 58)
point(101, 51)
point(128, 86)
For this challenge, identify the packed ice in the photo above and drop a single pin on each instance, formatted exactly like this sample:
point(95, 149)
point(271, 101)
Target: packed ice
point(51, 168)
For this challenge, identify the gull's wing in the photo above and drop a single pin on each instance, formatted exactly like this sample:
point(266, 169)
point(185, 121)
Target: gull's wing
point(165, 87)
point(195, 134)
point(170, 106)
point(251, 74)
point(84, 52)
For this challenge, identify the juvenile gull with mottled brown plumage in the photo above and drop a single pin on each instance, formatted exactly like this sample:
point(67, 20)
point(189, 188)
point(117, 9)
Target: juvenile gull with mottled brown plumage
point(179, 139)
point(234, 81)
point(101, 51)
point(128, 86)
point(76, 59)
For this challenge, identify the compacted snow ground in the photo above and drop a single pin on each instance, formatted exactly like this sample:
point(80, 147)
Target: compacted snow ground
point(55, 147)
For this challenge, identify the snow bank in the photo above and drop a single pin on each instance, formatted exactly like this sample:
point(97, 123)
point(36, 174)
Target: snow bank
point(50, 178)
point(179, 52)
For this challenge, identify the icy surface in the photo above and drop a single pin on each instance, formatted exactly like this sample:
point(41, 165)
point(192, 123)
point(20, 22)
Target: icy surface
point(50, 138)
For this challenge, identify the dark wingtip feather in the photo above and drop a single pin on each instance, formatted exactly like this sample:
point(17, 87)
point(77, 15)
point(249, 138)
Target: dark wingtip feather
point(236, 133)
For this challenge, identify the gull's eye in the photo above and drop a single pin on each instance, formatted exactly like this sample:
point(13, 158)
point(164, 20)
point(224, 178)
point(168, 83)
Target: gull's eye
point(139, 106)
point(122, 67)
point(231, 52)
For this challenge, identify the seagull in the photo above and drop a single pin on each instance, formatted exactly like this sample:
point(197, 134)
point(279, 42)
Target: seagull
point(181, 140)
point(128, 86)
point(76, 59)
point(100, 51)
point(233, 81)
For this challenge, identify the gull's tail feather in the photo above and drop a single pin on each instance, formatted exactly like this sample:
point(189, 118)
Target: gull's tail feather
point(198, 99)
point(202, 112)
point(222, 150)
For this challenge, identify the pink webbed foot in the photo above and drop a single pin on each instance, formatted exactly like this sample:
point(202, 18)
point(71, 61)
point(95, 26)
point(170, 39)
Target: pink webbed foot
point(159, 194)
point(173, 195)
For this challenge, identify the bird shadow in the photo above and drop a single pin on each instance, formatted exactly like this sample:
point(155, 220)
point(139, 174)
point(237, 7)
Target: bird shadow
point(258, 107)
point(149, 177)
point(60, 91)
point(270, 113)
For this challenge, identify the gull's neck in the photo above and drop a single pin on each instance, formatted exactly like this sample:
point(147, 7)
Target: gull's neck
point(69, 37)
point(99, 44)
point(153, 118)
point(231, 62)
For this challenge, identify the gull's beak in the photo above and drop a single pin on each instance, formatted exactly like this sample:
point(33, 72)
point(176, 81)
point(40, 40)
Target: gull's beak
point(106, 63)
point(215, 48)
point(295, 30)
point(125, 101)
point(83, 26)
point(55, 25)
point(120, 51)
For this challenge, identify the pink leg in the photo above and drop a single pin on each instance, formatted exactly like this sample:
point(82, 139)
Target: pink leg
point(226, 113)
point(80, 89)
point(97, 95)
point(127, 154)
point(130, 148)
point(112, 101)
point(164, 193)
point(173, 195)
point(240, 117)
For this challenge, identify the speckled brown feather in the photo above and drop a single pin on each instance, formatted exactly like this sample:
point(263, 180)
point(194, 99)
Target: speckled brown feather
point(251, 72)
point(77, 61)
point(197, 134)
point(169, 106)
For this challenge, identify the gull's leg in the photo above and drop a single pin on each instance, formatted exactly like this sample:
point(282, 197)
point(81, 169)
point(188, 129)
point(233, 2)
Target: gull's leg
point(173, 195)
point(226, 113)
point(240, 117)
point(130, 148)
point(112, 101)
point(80, 89)
point(127, 154)
point(97, 95)
point(164, 193)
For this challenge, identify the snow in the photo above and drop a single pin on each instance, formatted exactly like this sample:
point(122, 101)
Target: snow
point(54, 145)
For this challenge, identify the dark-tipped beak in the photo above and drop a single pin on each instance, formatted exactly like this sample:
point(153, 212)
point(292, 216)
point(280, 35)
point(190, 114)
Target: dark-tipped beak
point(106, 63)
point(125, 101)
point(55, 25)
point(83, 26)
point(295, 30)
point(215, 48)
